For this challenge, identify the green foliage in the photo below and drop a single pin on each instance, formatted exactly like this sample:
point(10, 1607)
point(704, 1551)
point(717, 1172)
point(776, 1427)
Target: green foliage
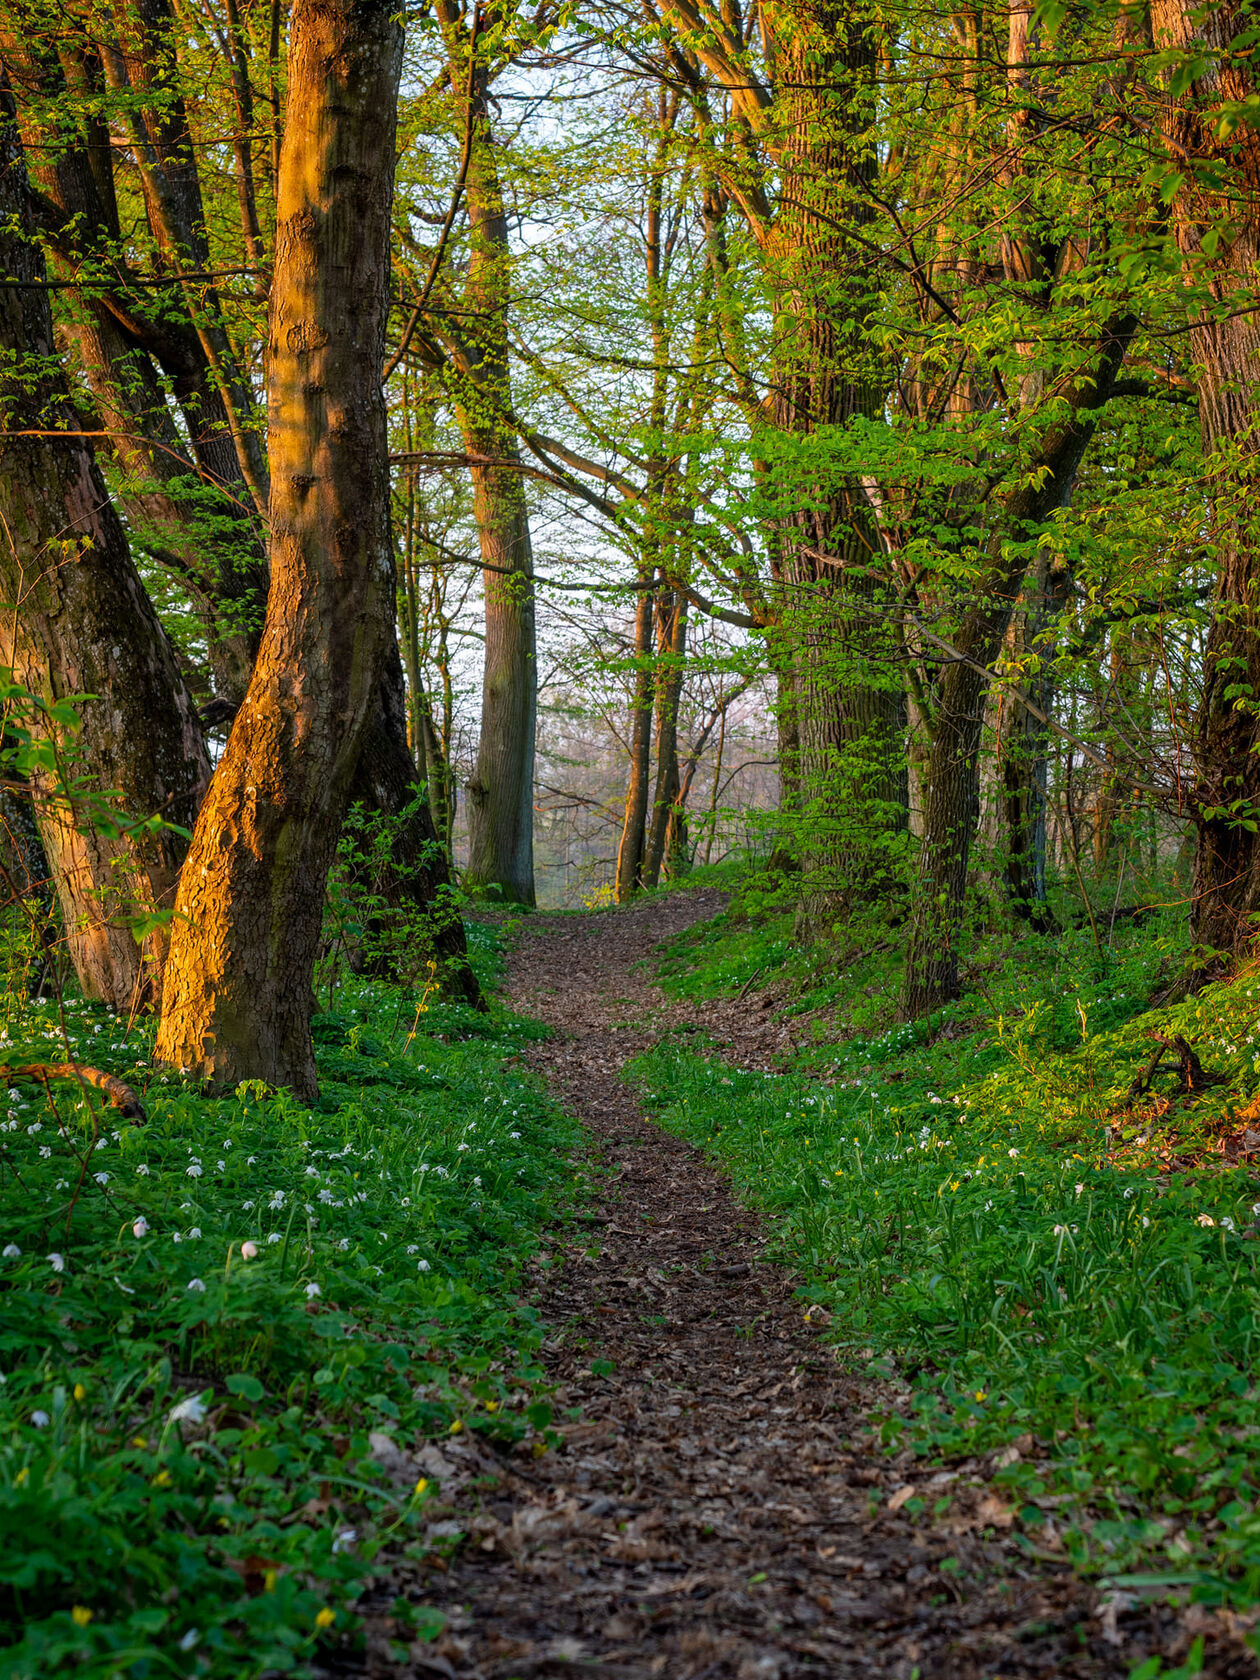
point(206, 1316)
point(1045, 1262)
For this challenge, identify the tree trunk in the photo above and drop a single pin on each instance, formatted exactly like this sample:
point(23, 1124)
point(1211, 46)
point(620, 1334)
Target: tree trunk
point(634, 827)
point(80, 623)
point(1220, 201)
point(1024, 743)
point(849, 731)
point(670, 670)
point(237, 998)
point(501, 792)
point(219, 560)
point(952, 799)
point(417, 881)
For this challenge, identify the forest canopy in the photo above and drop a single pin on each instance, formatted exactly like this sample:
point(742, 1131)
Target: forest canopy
point(836, 417)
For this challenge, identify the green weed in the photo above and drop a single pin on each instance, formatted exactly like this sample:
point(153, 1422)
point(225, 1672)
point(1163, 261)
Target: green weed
point(206, 1316)
point(1047, 1263)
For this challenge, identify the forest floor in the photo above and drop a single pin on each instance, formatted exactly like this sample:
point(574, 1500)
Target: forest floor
point(715, 1506)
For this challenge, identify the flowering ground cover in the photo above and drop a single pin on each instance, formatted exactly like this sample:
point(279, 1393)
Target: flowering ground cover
point(1060, 1272)
point(205, 1317)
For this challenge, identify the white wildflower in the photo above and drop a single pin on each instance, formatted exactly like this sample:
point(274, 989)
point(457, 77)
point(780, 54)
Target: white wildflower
point(57, 1262)
point(141, 1227)
point(196, 1285)
point(41, 1420)
point(12, 1251)
point(249, 1250)
point(312, 1290)
point(192, 1410)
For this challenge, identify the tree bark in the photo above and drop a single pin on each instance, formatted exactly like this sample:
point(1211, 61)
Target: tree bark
point(219, 560)
point(237, 998)
point(1024, 742)
point(501, 792)
point(634, 826)
point(1216, 217)
point(952, 799)
point(417, 882)
point(849, 727)
point(672, 608)
point(79, 623)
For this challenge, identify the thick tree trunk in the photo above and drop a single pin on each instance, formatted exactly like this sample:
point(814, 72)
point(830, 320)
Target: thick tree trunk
point(80, 623)
point(1220, 167)
point(634, 826)
point(848, 725)
point(237, 997)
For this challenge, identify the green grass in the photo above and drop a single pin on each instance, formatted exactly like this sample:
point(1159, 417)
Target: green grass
point(205, 1317)
point(1041, 1264)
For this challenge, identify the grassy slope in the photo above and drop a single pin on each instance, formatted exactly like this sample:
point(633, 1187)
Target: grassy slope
point(186, 1480)
point(1058, 1277)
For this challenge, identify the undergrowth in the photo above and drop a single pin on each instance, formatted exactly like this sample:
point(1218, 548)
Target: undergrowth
point(207, 1316)
point(1060, 1275)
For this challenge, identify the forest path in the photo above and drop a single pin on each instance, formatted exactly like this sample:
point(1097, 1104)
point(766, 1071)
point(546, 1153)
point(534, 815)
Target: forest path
point(714, 1515)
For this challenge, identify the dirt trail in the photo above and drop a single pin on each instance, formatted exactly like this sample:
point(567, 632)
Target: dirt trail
point(715, 1515)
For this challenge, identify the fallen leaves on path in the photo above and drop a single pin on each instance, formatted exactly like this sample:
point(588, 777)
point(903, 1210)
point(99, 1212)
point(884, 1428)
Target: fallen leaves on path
point(717, 1510)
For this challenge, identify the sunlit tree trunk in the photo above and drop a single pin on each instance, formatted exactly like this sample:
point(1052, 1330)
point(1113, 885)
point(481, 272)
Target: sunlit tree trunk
point(78, 621)
point(237, 998)
point(1216, 217)
point(847, 725)
point(166, 492)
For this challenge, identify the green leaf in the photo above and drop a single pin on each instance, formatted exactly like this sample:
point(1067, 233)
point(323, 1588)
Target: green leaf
point(249, 1388)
